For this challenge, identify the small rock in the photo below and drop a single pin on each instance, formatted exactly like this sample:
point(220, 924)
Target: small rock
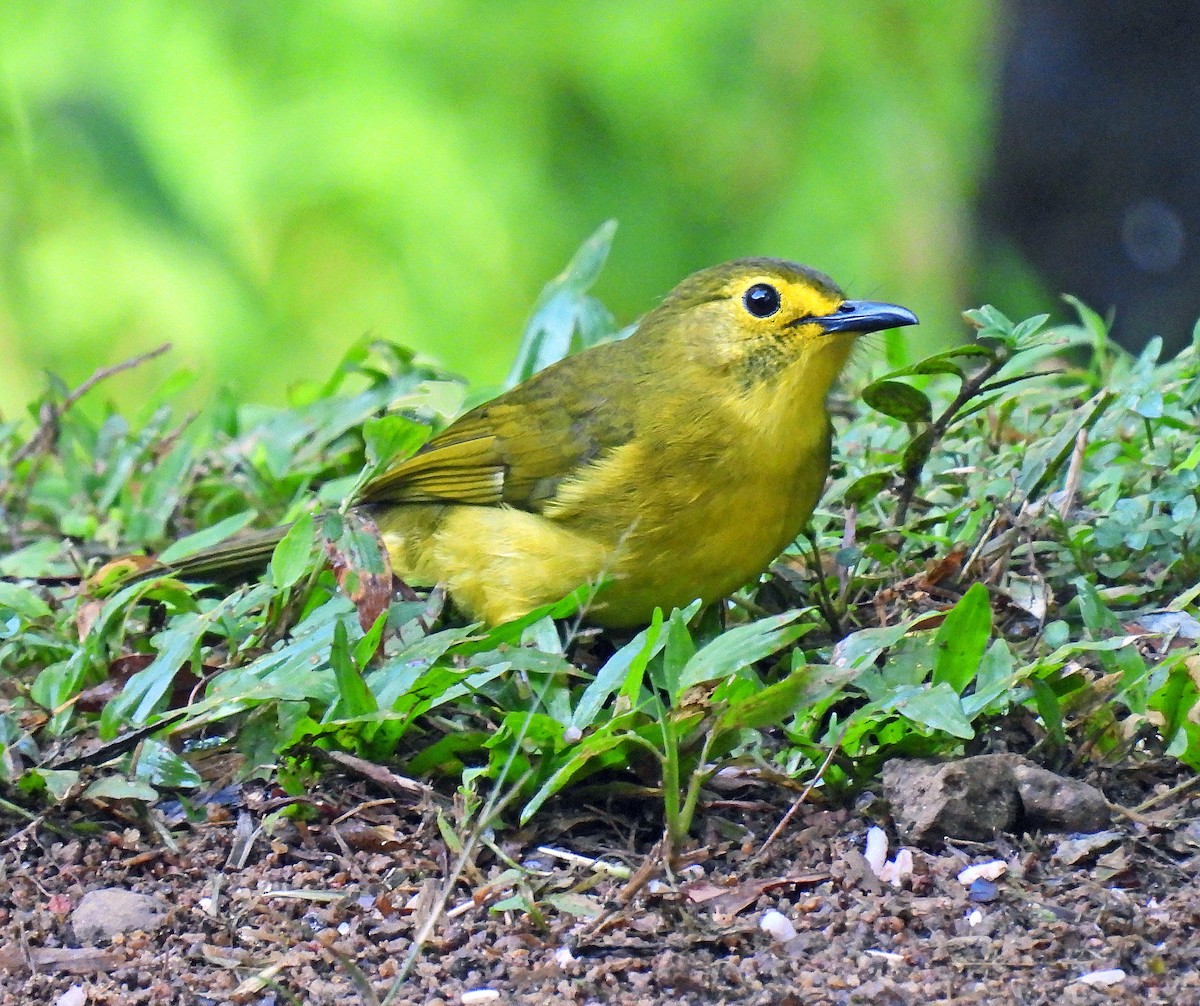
point(976, 797)
point(973, 798)
point(1059, 804)
point(983, 891)
point(104, 913)
point(1072, 850)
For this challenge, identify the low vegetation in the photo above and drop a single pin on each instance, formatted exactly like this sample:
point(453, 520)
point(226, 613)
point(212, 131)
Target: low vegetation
point(1007, 550)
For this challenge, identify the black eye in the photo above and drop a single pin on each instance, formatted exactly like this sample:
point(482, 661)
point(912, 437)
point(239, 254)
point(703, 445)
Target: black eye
point(761, 300)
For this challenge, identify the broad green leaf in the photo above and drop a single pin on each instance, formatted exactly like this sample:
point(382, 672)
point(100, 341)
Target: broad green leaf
point(117, 788)
point(861, 649)
point(1050, 710)
point(917, 451)
point(56, 782)
point(962, 638)
point(937, 707)
point(159, 765)
point(399, 673)
point(998, 675)
point(390, 437)
point(1092, 322)
point(22, 601)
point(293, 555)
point(991, 323)
point(866, 487)
point(631, 659)
point(770, 706)
point(565, 319)
point(739, 647)
point(899, 400)
point(353, 697)
point(176, 646)
point(1101, 623)
point(680, 648)
point(1025, 333)
point(613, 734)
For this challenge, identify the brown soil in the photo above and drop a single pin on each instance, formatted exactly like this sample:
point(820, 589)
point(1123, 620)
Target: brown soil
point(325, 910)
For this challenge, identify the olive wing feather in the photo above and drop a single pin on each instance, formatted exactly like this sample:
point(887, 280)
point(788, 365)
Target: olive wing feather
point(518, 448)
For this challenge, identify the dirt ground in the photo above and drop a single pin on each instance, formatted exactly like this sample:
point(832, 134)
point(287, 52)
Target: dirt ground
point(249, 905)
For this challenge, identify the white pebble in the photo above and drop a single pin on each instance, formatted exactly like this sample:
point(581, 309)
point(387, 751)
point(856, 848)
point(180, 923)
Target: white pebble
point(777, 925)
point(992, 870)
point(1110, 976)
point(876, 850)
point(480, 996)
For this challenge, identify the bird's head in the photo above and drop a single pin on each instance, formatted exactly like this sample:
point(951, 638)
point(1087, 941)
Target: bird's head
point(758, 316)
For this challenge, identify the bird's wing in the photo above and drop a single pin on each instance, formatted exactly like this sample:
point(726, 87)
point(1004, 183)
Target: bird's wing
point(518, 448)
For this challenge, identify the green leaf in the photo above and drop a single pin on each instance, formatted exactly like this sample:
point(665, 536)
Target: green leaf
point(1192, 461)
point(158, 765)
point(998, 676)
point(400, 672)
point(1100, 622)
point(116, 788)
point(1176, 699)
point(22, 601)
point(578, 905)
point(899, 400)
point(1092, 322)
point(631, 659)
point(739, 647)
point(937, 707)
point(354, 698)
point(292, 556)
point(176, 646)
point(565, 319)
point(859, 650)
point(56, 782)
point(962, 638)
point(390, 437)
point(917, 451)
point(771, 705)
point(614, 734)
point(1024, 333)
point(214, 535)
point(1049, 710)
point(943, 362)
point(866, 487)
point(680, 648)
point(991, 323)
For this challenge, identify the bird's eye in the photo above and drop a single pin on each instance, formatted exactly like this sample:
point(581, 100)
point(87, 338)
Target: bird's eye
point(761, 300)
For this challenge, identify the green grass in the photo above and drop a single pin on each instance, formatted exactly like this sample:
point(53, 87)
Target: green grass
point(1007, 539)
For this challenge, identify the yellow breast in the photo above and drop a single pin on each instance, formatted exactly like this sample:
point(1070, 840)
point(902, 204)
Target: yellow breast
point(671, 516)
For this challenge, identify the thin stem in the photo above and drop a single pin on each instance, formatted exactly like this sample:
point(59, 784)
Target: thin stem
point(971, 386)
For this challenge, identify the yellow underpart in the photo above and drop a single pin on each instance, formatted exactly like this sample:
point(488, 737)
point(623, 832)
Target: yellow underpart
point(498, 563)
point(726, 500)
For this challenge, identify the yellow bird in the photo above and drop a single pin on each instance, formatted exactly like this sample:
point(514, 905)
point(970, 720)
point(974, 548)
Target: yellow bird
point(673, 465)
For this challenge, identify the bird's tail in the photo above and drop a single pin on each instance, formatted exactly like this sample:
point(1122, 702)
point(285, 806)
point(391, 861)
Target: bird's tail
point(241, 558)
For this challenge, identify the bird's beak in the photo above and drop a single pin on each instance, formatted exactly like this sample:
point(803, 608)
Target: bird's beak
point(865, 316)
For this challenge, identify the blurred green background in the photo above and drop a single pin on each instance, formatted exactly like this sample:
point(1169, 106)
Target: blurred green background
point(261, 184)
